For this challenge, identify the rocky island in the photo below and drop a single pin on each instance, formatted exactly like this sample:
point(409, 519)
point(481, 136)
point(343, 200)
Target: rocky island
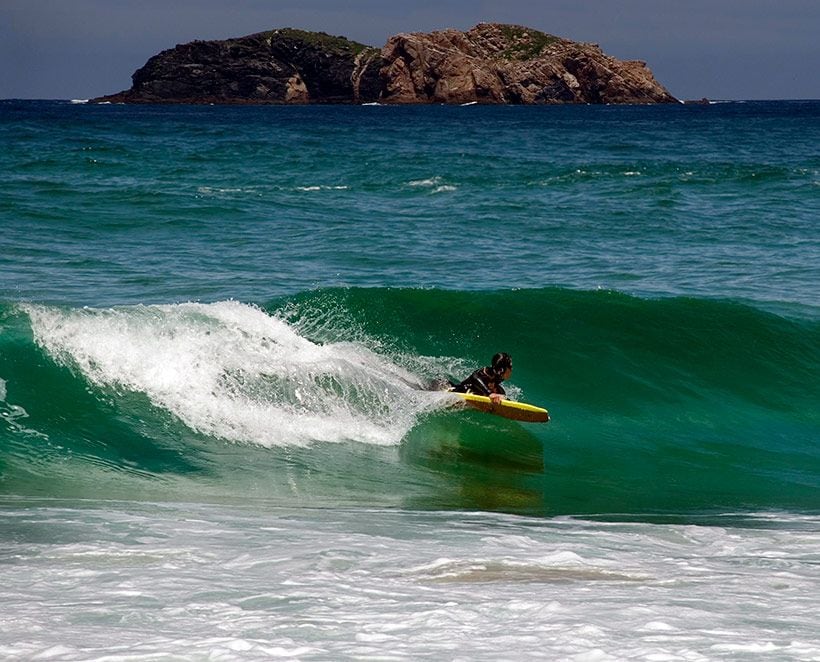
point(491, 63)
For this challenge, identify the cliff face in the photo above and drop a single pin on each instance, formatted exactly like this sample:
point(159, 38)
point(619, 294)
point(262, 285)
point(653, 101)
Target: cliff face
point(281, 66)
point(510, 64)
point(491, 63)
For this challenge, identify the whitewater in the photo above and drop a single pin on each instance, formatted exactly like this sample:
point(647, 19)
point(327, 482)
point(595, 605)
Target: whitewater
point(217, 330)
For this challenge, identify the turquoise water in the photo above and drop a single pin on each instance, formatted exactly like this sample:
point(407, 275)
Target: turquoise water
point(227, 317)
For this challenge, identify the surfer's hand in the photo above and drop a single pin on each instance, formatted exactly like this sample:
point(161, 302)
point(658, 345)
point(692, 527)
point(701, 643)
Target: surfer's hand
point(496, 398)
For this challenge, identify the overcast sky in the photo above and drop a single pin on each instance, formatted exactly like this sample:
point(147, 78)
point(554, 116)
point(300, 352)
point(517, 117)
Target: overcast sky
point(721, 49)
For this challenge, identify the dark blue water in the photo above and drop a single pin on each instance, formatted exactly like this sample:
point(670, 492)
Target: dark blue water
point(116, 204)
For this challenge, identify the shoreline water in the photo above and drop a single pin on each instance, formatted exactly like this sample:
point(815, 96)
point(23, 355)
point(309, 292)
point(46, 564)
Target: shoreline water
point(211, 321)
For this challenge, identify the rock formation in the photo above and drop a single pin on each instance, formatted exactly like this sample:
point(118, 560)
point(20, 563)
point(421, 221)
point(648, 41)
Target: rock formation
point(492, 63)
point(281, 66)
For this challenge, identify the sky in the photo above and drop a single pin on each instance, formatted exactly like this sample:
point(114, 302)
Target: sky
point(719, 49)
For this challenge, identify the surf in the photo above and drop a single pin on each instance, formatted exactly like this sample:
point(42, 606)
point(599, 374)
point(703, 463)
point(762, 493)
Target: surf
point(231, 371)
point(658, 406)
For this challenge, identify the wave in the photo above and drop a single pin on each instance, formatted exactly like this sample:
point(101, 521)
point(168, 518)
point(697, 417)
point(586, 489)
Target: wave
point(231, 371)
point(659, 406)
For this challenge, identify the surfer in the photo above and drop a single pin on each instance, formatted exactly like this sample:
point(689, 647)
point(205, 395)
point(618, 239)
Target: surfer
point(487, 380)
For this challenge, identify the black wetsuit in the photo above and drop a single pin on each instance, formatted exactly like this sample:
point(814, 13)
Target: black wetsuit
point(483, 381)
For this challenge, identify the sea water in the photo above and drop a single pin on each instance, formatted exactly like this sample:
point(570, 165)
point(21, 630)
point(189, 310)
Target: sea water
point(217, 325)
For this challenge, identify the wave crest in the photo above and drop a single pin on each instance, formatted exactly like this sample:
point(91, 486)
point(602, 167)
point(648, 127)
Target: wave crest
point(232, 371)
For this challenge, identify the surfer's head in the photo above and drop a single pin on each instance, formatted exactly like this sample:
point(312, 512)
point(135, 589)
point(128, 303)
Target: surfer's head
point(502, 365)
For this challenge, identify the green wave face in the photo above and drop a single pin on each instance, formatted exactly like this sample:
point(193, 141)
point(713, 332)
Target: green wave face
point(671, 407)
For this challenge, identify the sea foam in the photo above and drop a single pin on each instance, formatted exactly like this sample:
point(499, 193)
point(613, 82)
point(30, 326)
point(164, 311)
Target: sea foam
point(232, 371)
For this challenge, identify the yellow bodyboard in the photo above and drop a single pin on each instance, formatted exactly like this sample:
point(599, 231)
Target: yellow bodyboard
point(517, 411)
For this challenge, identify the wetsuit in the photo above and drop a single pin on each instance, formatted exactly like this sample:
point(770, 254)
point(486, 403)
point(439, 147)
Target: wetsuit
point(483, 381)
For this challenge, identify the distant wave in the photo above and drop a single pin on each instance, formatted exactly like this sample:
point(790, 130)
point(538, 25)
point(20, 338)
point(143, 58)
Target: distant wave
point(435, 184)
point(322, 188)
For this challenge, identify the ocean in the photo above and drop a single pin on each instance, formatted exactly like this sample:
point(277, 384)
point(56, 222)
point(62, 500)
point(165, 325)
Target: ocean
point(217, 328)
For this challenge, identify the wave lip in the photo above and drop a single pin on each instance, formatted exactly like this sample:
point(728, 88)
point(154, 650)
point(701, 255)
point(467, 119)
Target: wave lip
point(232, 371)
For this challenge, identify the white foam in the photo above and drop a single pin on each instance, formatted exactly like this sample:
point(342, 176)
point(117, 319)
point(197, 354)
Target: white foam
point(213, 191)
point(230, 370)
point(209, 581)
point(432, 181)
point(2, 389)
point(322, 188)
